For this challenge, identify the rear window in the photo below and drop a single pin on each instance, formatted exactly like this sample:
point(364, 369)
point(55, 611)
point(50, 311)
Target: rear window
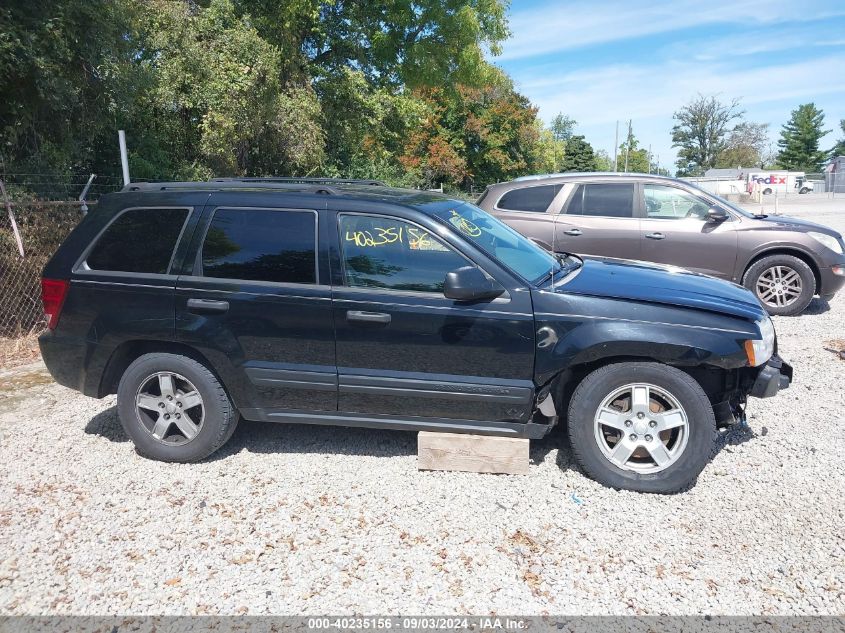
point(139, 241)
point(535, 199)
point(606, 200)
point(261, 245)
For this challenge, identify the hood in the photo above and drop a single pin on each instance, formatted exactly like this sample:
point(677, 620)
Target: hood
point(795, 224)
point(668, 285)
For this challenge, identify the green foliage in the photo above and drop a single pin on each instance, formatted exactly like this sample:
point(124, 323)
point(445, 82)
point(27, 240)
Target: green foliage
point(398, 90)
point(603, 161)
point(411, 43)
point(799, 140)
point(562, 127)
point(55, 59)
point(579, 156)
point(839, 148)
point(480, 135)
point(745, 146)
point(700, 132)
point(632, 156)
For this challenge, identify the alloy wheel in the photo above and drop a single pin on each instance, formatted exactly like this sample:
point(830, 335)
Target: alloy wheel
point(779, 286)
point(641, 428)
point(169, 408)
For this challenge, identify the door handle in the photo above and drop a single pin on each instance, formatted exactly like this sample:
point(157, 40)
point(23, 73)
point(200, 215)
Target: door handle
point(655, 236)
point(367, 317)
point(573, 232)
point(207, 305)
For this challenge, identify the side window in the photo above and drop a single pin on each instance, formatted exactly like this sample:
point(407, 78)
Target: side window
point(381, 252)
point(529, 198)
point(139, 241)
point(261, 245)
point(671, 203)
point(606, 200)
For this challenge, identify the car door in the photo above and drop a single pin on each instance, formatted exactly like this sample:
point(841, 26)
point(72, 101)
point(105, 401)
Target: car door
point(403, 348)
point(676, 231)
point(257, 304)
point(527, 209)
point(599, 218)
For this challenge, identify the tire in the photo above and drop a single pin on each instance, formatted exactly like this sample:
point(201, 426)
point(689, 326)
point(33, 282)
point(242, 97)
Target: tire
point(689, 446)
point(803, 190)
point(767, 191)
point(206, 416)
point(764, 276)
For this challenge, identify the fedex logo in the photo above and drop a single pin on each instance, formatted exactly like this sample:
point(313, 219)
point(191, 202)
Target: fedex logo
point(771, 179)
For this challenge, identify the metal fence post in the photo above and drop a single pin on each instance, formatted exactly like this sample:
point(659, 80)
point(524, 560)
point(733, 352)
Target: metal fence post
point(12, 221)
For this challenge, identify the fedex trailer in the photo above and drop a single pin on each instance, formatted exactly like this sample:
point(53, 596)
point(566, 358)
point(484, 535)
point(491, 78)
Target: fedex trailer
point(776, 181)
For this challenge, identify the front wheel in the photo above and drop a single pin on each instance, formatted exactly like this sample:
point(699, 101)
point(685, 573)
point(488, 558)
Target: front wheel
point(784, 284)
point(641, 426)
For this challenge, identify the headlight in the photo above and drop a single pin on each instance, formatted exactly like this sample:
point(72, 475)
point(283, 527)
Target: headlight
point(760, 350)
point(827, 240)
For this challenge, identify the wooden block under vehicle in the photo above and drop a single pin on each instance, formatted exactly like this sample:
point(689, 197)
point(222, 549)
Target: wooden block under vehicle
point(472, 453)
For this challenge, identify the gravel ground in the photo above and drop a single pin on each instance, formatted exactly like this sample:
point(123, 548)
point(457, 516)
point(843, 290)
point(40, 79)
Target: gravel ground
point(297, 519)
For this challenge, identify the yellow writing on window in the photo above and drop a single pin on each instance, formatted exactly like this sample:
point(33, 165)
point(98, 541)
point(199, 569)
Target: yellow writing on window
point(463, 225)
point(416, 239)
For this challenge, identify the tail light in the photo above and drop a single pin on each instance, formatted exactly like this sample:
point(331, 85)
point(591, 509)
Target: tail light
point(53, 292)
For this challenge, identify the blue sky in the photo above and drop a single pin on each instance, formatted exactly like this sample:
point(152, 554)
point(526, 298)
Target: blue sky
point(605, 60)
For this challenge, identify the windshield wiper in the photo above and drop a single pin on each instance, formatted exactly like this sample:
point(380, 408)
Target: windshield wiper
point(566, 265)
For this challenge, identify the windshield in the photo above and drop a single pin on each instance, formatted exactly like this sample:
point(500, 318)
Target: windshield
point(499, 241)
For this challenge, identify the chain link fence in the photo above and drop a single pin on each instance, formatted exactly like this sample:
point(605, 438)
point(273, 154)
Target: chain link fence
point(38, 212)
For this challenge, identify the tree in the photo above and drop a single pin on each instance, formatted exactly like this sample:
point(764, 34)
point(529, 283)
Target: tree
point(603, 161)
point(700, 132)
point(562, 127)
point(55, 75)
point(579, 155)
point(637, 159)
point(400, 91)
point(480, 135)
point(799, 140)
point(839, 148)
point(223, 76)
point(745, 146)
point(412, 43)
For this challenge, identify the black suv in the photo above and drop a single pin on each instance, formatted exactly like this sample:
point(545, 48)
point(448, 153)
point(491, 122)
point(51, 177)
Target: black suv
point(359, 305)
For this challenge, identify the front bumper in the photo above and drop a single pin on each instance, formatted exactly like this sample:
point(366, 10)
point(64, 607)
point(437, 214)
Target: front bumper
point(772, 377)
point(831, 282)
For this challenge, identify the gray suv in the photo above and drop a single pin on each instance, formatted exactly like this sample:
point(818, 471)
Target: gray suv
point(784, 261)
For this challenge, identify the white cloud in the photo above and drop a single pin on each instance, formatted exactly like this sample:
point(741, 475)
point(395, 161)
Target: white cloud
point(649, 94)
point(605, 94)
point(562, 26)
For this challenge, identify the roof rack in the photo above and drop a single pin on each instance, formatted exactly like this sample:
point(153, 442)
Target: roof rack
point(231, 184)
point(304, 180)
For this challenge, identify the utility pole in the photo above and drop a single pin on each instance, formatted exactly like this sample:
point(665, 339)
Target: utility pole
point(628, 146)
point(616, 149)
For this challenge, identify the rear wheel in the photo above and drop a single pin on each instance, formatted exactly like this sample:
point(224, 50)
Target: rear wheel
point(784, 284)
point(767, 191)
point(646, 427)
point(173, 408)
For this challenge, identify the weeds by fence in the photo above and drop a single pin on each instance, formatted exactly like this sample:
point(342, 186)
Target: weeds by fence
point(42, 229)
point(45, 210)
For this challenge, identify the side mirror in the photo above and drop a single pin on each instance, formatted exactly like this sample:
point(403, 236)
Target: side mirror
point(470, 284)
point(716, 215)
